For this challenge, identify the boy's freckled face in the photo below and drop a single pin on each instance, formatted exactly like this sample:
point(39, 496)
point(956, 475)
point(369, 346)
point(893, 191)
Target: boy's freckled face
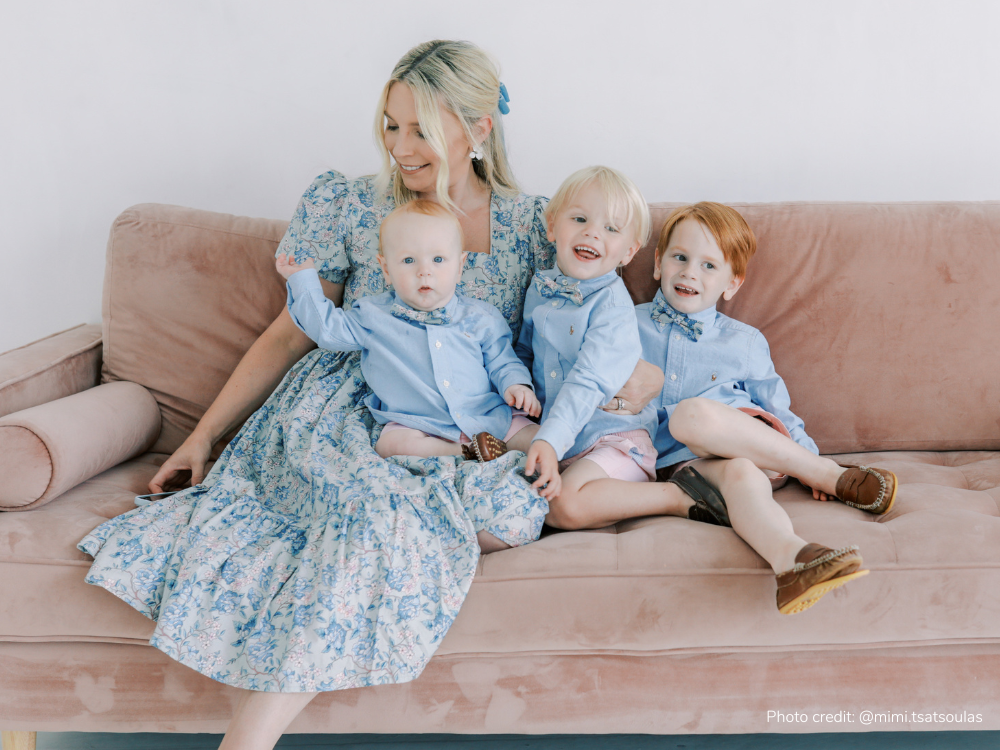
point(693, 272)
point(589, 242)
point(422, 259)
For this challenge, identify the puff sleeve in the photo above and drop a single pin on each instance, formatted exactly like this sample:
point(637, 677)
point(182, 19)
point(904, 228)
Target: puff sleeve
point(320, 227)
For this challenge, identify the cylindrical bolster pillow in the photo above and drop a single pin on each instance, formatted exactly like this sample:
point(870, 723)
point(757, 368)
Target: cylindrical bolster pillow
point(51, 448)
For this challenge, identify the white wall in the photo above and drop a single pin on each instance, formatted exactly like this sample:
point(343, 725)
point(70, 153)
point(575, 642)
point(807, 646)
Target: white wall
point(235, 106)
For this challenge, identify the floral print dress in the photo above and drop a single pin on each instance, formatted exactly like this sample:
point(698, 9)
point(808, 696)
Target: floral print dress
point(305, 561)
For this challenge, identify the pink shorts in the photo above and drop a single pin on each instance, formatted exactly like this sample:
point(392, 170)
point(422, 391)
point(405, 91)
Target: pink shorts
point(777, 480)
point(629, 456)
point(518, 423)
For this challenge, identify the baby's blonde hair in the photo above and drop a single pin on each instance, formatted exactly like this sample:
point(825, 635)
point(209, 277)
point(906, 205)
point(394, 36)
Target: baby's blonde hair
point(461, 77)
point(425, 208)
point(624, 198)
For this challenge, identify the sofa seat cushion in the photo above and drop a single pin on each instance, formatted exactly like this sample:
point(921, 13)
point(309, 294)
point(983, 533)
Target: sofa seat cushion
point(651, 585)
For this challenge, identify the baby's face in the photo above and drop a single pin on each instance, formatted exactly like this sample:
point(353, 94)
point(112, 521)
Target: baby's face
point(693, 273)
point(422, 259)
point(590, 242)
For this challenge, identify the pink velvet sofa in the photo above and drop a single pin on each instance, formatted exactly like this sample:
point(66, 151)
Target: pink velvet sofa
point(884, 320)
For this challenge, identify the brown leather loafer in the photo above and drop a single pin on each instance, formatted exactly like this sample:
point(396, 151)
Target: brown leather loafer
point(709, 505)
point(485, 447)
point(817, 570)
point(865, 488)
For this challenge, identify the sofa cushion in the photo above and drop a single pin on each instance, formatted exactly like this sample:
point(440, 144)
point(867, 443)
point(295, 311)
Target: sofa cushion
point(877, 317)
point(647, 585)
point(186, 293)
point(50, 368)
point(49, 448)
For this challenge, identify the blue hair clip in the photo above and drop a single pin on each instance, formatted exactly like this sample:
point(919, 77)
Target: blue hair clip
point(504, 98)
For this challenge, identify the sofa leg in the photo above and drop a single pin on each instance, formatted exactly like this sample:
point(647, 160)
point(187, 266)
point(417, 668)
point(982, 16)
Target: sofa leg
point(18, 740)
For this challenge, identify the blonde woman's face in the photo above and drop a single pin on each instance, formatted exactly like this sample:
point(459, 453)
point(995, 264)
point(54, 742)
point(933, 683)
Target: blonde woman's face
point(418, 164)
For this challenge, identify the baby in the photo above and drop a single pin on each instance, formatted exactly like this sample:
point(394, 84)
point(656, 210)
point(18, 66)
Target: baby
point(436, 361)
point(741, 412)
point(581, 339)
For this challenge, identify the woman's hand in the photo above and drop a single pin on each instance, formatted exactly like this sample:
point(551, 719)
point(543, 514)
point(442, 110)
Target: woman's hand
point(645, 384)
point(189, 459)
point(544, 456)
point(286, 265)
point(522, 397)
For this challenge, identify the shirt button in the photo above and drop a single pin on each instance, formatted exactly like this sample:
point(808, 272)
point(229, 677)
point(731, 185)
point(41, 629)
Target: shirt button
point(445, 383)
point(677, 337)
point(553, 373)
point(555, 303)
point(458, 414)
point(673, 376)
point(438, 344)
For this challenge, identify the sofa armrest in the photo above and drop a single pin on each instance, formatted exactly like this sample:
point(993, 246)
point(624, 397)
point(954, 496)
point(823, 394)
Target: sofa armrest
point(50, 448)
point(54, 367)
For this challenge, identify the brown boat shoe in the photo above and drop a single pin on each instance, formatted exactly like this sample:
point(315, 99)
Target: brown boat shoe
point(818, 570)
point(866, 488)
point(484, 447)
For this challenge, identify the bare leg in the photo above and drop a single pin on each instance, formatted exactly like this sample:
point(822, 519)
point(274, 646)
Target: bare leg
point(489, 543)
point(408, 442)
point(522, 438)
point(756, 517)
point(260, 719)
point(712, 429)
point(591, 500)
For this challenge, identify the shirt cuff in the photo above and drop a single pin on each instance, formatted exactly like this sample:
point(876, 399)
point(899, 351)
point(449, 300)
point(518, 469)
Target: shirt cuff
point(557, 434)
point(302, 283)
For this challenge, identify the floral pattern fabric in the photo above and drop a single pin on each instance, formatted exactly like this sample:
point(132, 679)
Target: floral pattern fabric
point(305, 562)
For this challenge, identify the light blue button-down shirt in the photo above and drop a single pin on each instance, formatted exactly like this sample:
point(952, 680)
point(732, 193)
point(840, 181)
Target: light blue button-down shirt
point(439, 379)
point(730, 362)
point(580, 357)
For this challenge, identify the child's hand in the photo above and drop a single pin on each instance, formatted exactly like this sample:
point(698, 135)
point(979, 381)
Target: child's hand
point(522, 397)
point(286, 266)
point(544, 456)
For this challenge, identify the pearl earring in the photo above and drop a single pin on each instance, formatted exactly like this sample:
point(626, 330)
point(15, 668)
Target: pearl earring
point(476, 153)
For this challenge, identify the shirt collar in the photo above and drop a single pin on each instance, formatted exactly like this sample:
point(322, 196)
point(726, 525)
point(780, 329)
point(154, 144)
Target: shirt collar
point(587, 286)
point(451, 308)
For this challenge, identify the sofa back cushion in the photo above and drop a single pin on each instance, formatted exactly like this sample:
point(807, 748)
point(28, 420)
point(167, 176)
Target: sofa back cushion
point(883, 318)
point(186, 293)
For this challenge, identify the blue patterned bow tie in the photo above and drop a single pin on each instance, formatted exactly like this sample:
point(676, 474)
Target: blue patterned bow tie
point(559, 287)
point(663, 313)
point(438, 317)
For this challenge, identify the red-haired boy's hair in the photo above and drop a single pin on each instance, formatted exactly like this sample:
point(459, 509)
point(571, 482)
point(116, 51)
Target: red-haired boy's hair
point(730, 230)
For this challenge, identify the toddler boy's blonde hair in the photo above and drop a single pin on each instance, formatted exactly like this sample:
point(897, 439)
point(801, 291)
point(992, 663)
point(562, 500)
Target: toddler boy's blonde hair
point(425, 208)
point(624, 198)
point(734, 236)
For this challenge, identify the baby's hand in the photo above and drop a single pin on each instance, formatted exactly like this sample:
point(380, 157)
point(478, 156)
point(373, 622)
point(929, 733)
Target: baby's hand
point(286, 266)
point(522, 397)
point(544, 455)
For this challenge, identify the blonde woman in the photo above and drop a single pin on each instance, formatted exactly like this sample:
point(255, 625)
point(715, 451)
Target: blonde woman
point(304, 562)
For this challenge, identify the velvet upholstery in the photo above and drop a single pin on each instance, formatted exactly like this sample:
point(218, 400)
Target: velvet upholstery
point(877, 317)
point(59, 365)
point(52, 447)
point(186, 293)
point(655, 625)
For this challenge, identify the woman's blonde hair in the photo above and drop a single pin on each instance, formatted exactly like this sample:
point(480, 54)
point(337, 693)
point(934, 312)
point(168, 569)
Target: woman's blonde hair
point(622, 195)
point(461, 77)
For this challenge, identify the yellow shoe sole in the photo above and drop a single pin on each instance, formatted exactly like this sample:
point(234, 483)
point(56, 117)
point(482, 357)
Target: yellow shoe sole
point(814, 593)
point(892, 497)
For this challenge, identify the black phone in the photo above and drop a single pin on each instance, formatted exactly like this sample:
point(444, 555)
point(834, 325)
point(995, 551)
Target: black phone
point(147, 499)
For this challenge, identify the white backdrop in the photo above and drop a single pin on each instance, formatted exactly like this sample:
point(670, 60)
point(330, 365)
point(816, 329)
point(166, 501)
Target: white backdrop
point(235, 106)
